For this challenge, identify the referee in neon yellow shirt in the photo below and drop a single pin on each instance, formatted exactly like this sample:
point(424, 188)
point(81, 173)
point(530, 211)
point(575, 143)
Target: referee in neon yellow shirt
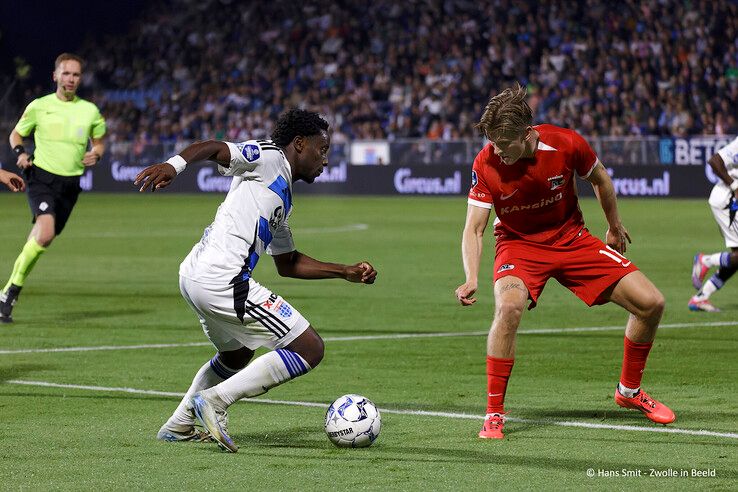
point(64, 125)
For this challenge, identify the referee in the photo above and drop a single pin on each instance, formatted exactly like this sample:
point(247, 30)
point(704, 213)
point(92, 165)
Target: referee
point(63, 126)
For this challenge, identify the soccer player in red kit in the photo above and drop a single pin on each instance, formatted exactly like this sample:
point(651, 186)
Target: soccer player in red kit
point(527, 173)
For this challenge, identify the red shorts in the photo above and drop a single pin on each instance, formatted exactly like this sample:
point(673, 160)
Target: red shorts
point(585, 266)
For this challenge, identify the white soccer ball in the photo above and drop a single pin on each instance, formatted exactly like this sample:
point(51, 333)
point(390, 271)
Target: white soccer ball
point(352, 421)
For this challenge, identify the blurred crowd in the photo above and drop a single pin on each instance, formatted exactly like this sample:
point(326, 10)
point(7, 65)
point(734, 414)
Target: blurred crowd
point(196, 69)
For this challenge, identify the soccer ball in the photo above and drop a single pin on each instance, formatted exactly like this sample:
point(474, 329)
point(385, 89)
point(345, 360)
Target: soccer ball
point(352, 421)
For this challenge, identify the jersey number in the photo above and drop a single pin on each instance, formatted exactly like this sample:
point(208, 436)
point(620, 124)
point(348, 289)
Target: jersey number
point(615, 256)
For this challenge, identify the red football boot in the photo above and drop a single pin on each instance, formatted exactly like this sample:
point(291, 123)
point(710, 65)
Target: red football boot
point(653, 409)
point(493, 425)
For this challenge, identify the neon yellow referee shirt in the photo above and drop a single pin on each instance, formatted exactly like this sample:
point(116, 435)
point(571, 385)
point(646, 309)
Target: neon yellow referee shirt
point(62, 132)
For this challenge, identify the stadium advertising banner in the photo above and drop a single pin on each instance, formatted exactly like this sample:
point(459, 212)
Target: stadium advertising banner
point(654, 182)
point(343, 179)
point(694, 151)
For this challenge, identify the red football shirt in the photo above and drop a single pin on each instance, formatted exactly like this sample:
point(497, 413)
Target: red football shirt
point(535, 199)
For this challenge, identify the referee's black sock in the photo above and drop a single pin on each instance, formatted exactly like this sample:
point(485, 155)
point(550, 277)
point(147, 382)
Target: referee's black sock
point(12, 293)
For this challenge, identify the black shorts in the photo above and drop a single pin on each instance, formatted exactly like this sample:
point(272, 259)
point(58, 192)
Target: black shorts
point(49, 193)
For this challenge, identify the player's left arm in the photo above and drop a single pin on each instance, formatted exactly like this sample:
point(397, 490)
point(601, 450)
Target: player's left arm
point(617, 236)
point(298, 265)
point(94, 155)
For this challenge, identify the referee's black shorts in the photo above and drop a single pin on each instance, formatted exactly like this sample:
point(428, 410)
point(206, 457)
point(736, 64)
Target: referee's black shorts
point(49, 193)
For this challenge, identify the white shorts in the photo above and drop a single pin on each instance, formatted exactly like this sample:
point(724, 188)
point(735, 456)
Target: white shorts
point(719, 199)
point(259, 319)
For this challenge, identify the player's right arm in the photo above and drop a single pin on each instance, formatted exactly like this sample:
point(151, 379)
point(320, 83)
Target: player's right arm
point(472, 241)
point(298, 265)
point(161, 175)
point(477, 216)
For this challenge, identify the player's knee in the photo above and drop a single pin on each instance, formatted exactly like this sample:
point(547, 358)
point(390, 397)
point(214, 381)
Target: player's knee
point(44, 231)
point(316, 352)
point(659, 303)
point(508, 313)
point(734, 258)
point(654, 305)
point(310, 346)
point(44, 236)
point(45, 240)
point(236, 359)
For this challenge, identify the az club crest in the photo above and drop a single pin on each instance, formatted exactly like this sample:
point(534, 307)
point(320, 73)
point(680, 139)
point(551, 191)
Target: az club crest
point(556, 181)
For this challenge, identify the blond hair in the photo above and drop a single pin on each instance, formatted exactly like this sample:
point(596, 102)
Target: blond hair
point(506, 112)
point(69, 56)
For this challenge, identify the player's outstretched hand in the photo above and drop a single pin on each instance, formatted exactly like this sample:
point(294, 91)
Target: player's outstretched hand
point(465, 292)
point(156, 176)
point(12, 181)
point(363, 272)
point(617, 238)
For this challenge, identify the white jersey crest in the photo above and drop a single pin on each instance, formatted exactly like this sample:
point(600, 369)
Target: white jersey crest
point(252, 220)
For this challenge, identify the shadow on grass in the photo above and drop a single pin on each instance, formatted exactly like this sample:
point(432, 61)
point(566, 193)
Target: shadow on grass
point(131, 295)
point(20, 370)
point(688, 417)
point(486, 452)
point(102, 313)
point(599, 414)
point(98, 396)
point(62, 317)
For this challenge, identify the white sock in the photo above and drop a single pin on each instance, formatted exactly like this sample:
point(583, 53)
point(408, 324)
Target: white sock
point(627, 392)
point(708, 288)
point(210, 374)
point(712, 260)
point(264, 373)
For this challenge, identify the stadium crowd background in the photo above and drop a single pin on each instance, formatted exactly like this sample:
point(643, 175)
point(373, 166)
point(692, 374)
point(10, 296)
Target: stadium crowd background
point(196, 69)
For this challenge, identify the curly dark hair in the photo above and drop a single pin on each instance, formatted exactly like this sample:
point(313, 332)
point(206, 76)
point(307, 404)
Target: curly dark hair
point(297, 122)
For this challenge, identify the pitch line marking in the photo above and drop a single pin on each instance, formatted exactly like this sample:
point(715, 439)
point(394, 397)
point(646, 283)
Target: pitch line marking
point(395, 336)
point(423, 413)
point(327, 230)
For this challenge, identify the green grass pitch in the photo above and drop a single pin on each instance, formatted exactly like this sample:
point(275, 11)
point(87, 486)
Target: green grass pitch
point(110, 280)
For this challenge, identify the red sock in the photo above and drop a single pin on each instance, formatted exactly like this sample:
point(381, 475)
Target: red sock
point(498, 372)
point(634, 360)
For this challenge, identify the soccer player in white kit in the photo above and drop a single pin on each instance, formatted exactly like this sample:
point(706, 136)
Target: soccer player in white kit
point(238, 314)
point(724, 204)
